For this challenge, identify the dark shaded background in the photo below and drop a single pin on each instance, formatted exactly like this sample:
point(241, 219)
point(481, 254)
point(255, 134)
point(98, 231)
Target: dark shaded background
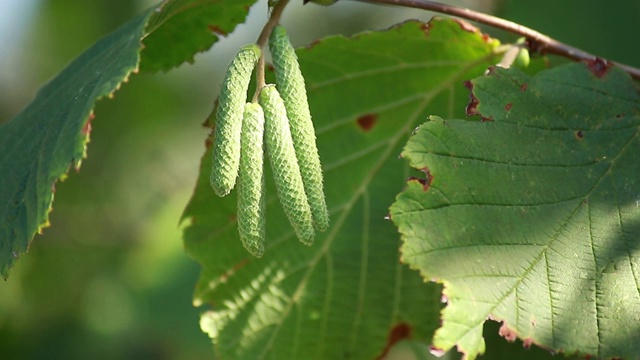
point(109, 279)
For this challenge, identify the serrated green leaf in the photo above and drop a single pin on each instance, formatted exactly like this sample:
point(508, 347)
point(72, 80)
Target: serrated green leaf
point(183, 28)
point(344, 295)
point(49, 136)
point(532, 219)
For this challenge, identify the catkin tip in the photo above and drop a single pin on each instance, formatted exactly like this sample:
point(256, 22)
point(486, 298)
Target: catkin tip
point(254, 248)
point(255, 48)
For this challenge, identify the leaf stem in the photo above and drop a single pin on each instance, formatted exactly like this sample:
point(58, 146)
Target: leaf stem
point(536, 41)
point(274, 19)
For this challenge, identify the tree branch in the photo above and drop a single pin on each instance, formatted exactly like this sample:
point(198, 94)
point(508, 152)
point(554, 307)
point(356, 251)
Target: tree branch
point(537, 42)
point(274, 19)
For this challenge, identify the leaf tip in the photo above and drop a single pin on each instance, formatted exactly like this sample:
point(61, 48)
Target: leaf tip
point(437, 352)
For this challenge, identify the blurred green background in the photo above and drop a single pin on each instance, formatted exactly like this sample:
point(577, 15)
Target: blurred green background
point(109, 279)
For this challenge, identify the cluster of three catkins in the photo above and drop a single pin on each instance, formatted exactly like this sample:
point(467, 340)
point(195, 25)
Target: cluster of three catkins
point(281, 120)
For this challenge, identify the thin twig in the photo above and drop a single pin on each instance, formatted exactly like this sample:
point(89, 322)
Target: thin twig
point(274, 19)
point(537, 41)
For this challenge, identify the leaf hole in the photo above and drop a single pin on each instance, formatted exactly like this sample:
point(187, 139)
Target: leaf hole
point(426, 182)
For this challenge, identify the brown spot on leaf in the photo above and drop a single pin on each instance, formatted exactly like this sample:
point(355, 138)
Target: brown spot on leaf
point(86, 129)
point(620, 116)
point(527, 343)
point(367, 121)
point(507, 333)
point(599, 67)
point(270, 68)
point(472, 107)
point(399, 332)
point(217, 30)
point(579, 135)
point(426, 27)
point(508, 106)
point(524, 87)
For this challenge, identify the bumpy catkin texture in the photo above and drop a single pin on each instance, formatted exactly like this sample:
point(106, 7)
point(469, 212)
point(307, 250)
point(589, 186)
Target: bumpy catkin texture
point(251, 217)
point(226, 142)
point(284, 164)
point(290, 84)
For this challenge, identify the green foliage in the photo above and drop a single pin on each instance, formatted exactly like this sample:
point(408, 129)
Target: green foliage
point(347, 293)
point(48, 137)
point(530, 219)
point(40, 144)
point(541, 204)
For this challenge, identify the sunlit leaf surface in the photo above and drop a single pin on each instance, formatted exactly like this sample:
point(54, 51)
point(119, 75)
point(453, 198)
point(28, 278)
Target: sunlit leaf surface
point(532, 218)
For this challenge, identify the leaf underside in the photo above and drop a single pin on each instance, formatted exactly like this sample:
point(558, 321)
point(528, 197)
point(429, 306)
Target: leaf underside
point(40, 145)
point(347, 295)
point(533, 218)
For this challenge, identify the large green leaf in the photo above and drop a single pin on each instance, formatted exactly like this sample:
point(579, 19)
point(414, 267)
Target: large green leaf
point(347, 295)
point(49, 136)
point(533, 219)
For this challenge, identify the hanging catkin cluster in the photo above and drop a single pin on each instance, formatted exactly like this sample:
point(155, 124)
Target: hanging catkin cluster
point(281, 120)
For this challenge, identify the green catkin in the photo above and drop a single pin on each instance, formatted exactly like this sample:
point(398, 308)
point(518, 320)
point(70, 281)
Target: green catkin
point(226, 142)
point(284, 164)
point(251, 217)
point(290, 84)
